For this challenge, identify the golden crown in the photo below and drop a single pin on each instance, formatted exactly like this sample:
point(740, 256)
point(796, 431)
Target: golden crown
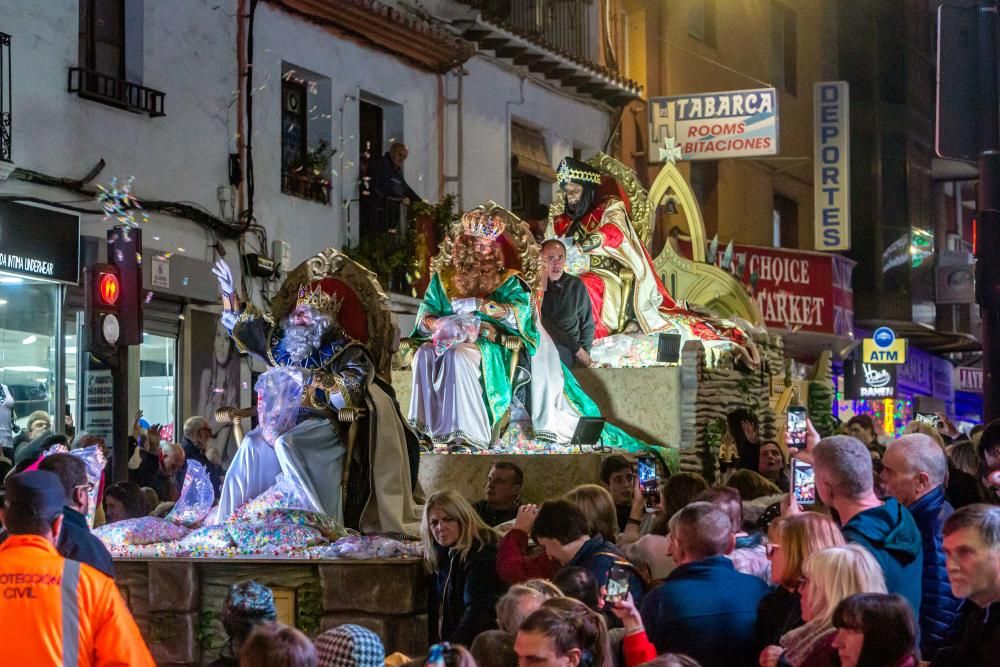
point(319, 300)
point(579, 172)
point(479, 222)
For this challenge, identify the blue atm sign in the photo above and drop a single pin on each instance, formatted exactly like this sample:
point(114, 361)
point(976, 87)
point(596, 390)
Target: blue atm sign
point(883, 348)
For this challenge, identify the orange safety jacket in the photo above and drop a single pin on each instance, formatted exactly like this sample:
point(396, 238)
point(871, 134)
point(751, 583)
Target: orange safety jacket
point(60, 612)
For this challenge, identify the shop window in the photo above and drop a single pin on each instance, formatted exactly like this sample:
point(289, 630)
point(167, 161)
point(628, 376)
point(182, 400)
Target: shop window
point(784, 35)
point(158, 381)
point(306, 146)
point(701, 21)
point(28, 311)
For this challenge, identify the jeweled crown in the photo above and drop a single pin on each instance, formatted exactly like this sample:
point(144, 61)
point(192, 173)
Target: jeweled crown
point(483, 224)
point(319, 300)
point(571, 170)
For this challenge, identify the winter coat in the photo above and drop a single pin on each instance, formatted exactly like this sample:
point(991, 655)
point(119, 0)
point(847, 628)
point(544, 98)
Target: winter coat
point(979, 643)
point(939, 609)
point(598, 555)
point(889, 533)
point(707, 610)
point(464, 595)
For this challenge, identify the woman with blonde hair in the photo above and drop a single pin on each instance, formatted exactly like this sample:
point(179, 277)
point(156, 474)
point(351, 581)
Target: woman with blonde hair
point(791, 541)
point(461, 551)
point(496, 647)
point(828, 577)
point(567, 630)
point(598, 507)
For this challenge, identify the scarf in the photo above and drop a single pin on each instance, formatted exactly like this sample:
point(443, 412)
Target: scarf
point(800, 642)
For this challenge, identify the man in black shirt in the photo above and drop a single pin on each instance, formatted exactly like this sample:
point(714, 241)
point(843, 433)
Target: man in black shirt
point(566, 311)
point(972, 553)
point(76, 542)
point(503, 494)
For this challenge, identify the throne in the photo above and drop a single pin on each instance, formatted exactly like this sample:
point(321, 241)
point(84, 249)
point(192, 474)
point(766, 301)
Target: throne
point(364, 314)
point(521, 252)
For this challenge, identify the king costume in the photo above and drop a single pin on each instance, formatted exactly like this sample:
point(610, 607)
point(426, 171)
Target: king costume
point(463, 387)
point(316, 369)
point(621, 280)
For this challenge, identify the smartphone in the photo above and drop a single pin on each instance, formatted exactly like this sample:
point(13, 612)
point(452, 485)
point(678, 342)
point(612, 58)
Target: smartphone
point(803, 483)
point(928, 418)
point(795, 427)
point(617, 586)
point(649, 483)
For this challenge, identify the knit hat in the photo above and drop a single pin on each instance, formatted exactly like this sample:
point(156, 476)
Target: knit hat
point(350, 645)
point(247, 604)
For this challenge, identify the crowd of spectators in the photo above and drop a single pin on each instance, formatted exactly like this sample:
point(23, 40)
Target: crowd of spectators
point(896, 564)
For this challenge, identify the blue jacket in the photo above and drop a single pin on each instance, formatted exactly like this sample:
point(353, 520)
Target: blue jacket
point(707, 610)
point(939, 609)
point(598, 555)
point(889, 533)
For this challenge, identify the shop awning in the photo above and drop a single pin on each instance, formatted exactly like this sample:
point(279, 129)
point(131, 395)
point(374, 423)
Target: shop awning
point(927, 338)
point(527, 148)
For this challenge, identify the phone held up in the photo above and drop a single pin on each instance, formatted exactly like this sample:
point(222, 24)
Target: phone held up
point(795, 427)
point(803, 483)
point(618, 583)
point(649, 483)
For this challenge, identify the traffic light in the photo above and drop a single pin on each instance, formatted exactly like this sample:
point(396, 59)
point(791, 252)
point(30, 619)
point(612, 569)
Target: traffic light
point(102, 331)
point(125, 254)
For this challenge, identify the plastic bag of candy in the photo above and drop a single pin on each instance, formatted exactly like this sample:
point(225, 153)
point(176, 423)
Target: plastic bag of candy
point(207, 539)
point(197, 496)
point(93, 458)
point(279, 396)
point(284, 494)
point(274, 539)
point(452, 330)
point(361, 547)
point(135, 532)
point(326, 526)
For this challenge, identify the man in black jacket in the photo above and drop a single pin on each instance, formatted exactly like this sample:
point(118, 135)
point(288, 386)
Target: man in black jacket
point(566, 311)
point(972, 549)
point(76, 542)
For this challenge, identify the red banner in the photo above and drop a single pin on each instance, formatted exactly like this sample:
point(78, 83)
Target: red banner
point(797, 289)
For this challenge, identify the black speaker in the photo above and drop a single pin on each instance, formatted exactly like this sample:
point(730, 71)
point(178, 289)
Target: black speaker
point(669, 348)
point(588, 431)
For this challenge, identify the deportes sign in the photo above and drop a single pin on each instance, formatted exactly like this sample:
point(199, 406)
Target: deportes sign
point(738, 123)
point(831, 165)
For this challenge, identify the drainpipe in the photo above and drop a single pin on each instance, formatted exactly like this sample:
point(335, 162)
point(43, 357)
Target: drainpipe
point(241, 68)
point(509, 146)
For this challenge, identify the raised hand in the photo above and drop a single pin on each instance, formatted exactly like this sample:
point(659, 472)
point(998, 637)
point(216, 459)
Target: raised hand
point(225, 277)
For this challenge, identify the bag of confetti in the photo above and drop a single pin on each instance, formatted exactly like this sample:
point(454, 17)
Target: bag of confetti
point(93, 458)
point(358, 547)
point(326, 526)
point(284, 494)
point(452, 330)
point(256, 539)
point(197, 496)
point(207, 539)
point(279, 396)
point(136, 532)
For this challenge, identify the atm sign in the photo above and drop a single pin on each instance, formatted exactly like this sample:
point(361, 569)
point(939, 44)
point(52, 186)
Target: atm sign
point(893, 353)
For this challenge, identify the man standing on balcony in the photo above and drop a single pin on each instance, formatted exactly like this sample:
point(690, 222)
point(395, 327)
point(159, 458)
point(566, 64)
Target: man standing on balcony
point(389, 187)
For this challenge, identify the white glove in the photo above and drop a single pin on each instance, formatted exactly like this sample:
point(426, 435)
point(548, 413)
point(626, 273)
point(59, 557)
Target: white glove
point(465, 306)
point(229, 318)
point(225, 276)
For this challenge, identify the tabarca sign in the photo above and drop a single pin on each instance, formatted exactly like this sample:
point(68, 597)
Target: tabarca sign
point(738, 123)
point(797, 289)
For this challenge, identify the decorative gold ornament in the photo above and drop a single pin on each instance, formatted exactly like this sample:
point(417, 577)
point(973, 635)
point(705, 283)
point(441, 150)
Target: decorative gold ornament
point(317, 299)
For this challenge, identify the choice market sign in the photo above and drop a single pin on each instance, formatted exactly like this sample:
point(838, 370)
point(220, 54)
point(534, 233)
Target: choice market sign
point(737, 123)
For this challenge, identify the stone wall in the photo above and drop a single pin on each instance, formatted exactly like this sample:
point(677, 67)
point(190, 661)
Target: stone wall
point(177, 603)
point(712, 386)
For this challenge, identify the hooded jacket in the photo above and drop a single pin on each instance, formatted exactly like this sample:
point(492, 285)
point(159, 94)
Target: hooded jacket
point(939, 609)
point(890, 534)
point(464, 594)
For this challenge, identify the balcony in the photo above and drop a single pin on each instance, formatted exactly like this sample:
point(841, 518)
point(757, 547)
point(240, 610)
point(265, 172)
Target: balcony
point(6, 90)
point(92, 85)
point(551, 38)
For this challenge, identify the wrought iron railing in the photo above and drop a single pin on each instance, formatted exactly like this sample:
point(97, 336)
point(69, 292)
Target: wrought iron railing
point(93, 85)
point(561, 24)
point(6, 92)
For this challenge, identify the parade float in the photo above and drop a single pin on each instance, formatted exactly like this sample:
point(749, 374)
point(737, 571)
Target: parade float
point(339, 547)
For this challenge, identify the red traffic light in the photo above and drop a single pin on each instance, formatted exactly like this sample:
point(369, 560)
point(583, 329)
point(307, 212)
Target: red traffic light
point(108, 289)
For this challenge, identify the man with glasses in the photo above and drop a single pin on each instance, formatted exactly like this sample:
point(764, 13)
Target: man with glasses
point(76, 542)
point(503, 493)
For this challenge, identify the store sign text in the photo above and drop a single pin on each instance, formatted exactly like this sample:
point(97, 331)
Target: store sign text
point(26, 264)
point(831, 165)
